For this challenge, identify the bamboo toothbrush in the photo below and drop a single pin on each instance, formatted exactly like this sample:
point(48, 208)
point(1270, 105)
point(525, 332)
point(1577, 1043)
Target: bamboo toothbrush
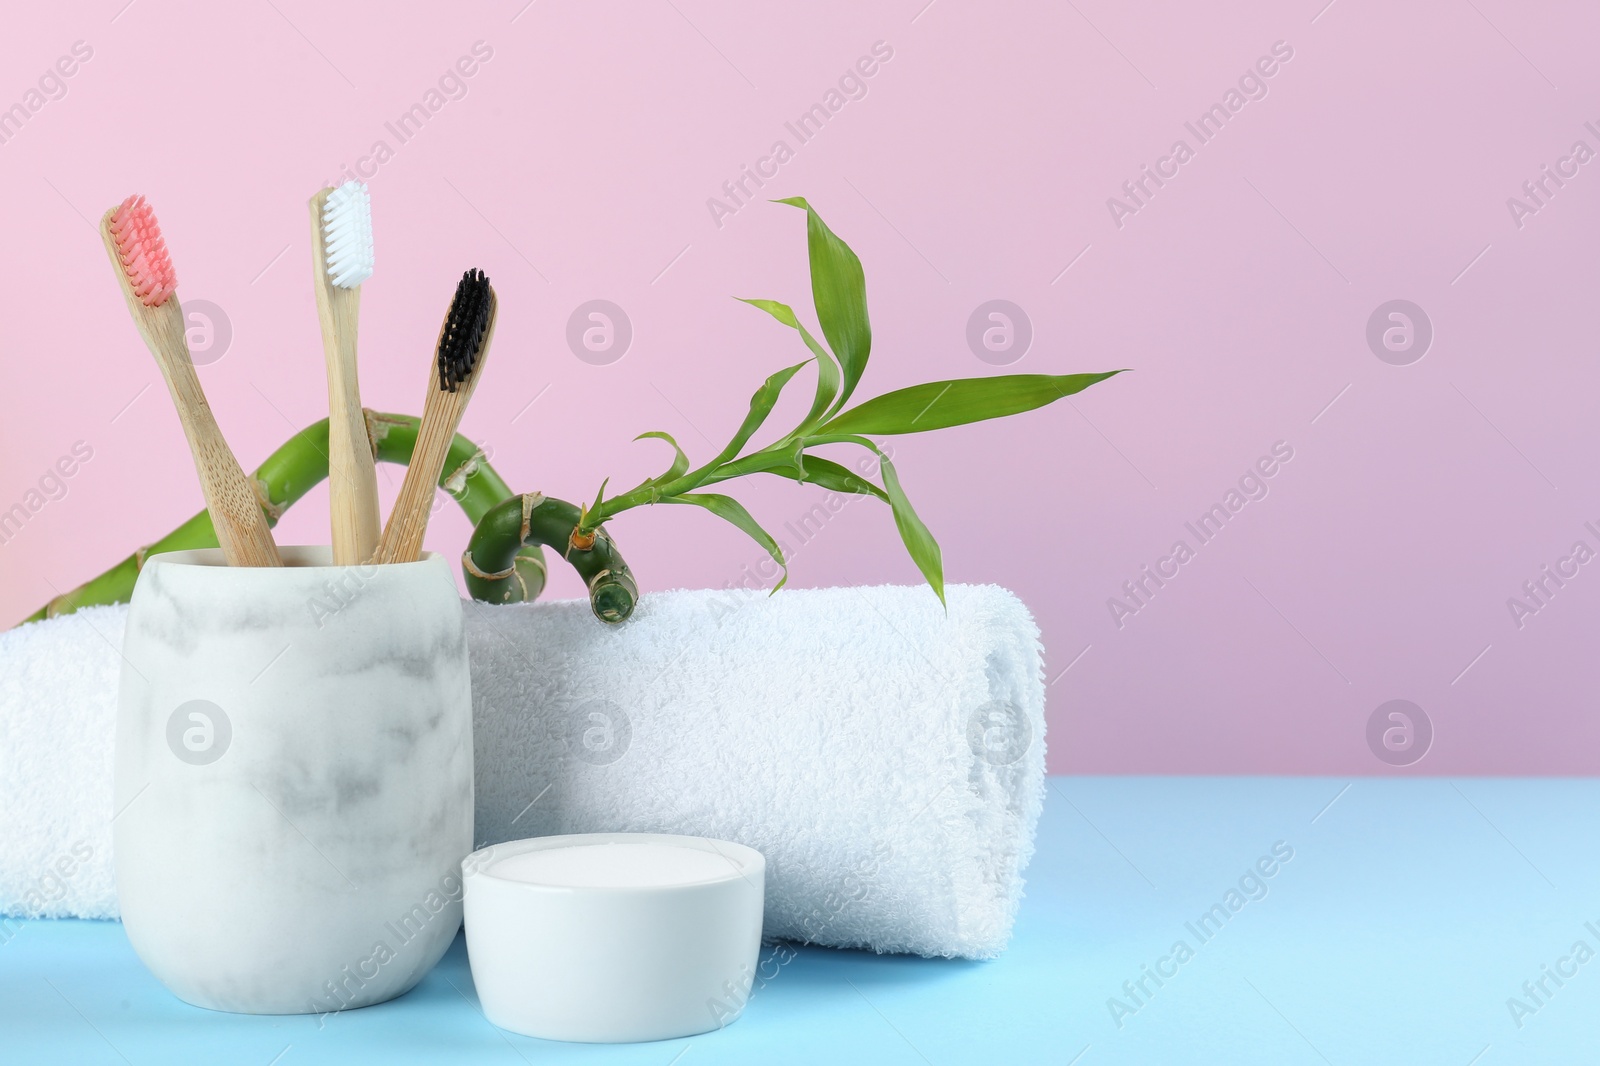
point(341, 253)
point(463, 348)
point(149, 282)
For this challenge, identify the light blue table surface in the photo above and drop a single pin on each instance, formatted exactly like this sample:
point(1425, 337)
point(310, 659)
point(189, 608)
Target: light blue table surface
point(1411, 911)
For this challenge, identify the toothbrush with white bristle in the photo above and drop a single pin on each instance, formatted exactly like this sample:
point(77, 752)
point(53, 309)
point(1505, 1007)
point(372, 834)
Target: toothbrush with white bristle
point(341, 250)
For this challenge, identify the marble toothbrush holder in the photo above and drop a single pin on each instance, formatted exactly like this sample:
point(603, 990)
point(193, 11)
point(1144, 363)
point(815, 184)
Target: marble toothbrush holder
point(293, 778)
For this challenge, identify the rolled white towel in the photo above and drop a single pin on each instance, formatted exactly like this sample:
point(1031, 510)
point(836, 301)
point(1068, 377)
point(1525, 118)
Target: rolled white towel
point(886, 757)
point(58, 721)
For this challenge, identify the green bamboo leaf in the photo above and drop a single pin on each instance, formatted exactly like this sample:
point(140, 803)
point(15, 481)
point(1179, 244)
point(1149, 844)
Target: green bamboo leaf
point(839, 290)
point(829, 383)
point(918, 540)
point(798, 467)
point(730, 509)
point(680, 462)
point(780, 311)
point(599, 497)
point(828, 375)
point(941, 404)
point(829, 475)
point(766, 461)
point(761, 404)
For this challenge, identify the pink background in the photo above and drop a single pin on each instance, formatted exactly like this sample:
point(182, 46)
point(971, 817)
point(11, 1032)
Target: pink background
point(978, 166)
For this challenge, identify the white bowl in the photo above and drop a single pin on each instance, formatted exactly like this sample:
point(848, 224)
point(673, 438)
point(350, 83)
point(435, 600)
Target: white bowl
point(614, 937)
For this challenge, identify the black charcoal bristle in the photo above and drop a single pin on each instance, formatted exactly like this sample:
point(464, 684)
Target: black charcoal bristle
point(463, 330)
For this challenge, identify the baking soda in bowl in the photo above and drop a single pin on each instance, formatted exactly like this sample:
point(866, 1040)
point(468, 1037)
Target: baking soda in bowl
point(614, 937)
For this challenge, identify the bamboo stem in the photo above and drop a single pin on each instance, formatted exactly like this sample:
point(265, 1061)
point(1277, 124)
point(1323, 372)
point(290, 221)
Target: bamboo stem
point(534, 519)
point(294, 470)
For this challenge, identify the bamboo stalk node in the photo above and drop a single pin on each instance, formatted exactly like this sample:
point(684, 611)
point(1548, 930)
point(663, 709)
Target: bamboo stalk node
point(472, 568)
point(456, 483)
point(530, 500)
point(378, 426)
point(273, 511)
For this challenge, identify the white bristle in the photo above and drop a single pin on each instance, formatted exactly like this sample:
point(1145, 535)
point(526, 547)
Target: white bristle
point(347, 234)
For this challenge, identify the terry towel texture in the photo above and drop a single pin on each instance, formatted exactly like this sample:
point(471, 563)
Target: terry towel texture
point(886, 758)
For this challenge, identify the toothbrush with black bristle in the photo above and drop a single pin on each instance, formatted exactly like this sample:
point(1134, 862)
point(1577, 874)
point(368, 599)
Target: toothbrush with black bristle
point(462, 350)
point(341, 252)
point(150, 284)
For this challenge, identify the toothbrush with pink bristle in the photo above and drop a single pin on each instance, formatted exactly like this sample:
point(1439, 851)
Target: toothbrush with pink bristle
point(149, 283)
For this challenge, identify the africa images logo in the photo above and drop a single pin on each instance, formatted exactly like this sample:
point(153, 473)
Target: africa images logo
point(199, 732)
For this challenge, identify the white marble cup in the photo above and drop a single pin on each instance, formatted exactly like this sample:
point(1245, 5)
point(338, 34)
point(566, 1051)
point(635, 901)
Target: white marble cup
point(293, 778)
point(614, 937)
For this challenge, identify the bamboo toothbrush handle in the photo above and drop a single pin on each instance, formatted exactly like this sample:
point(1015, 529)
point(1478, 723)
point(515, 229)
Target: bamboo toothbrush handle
point(352, 477)
point(441, 415)
point(242, 530)
point(408, 521)
point(236, 514)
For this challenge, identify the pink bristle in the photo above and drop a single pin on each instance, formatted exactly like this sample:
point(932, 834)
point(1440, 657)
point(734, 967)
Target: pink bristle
point(143, 252)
